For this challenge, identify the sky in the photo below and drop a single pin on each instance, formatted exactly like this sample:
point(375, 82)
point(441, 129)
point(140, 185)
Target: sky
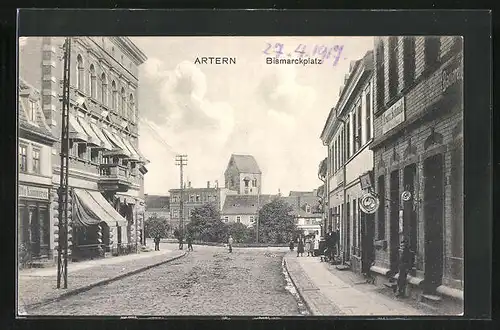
point(275, 112)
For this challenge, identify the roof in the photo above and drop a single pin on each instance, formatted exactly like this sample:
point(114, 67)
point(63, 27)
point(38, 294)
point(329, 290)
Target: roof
point(245, 164)
point(157, 202)
point(244, 204)
point(299, 205)
point(28, 127)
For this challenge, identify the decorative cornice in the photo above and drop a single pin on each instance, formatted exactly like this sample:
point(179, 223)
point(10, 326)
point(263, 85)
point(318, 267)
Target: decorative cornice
point(128, 47)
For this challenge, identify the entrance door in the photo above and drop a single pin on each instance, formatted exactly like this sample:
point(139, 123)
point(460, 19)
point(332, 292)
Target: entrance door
point(394, 221)
point(368, 234)
point(410, 216)
point(433, 221)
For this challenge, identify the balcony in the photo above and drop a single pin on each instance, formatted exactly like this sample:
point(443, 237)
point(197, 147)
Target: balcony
point(114, 177)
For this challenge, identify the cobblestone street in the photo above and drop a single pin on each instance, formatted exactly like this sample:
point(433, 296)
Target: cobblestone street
point(208, 281)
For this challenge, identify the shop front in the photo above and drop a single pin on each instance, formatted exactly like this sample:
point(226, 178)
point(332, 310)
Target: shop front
point(34, 222)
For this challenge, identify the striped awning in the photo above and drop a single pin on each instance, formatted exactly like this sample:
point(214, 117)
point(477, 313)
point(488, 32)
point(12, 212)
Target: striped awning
point(135, 156)
point(94, 141)
point(92, 208)
point(106, 144)
point(118, 146)
point(76, 131)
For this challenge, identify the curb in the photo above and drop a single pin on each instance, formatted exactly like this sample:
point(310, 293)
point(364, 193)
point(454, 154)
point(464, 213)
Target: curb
point(99, 283)
point(299, 290)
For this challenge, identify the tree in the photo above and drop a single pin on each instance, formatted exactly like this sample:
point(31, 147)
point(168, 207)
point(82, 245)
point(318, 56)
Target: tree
point(276, 222)
point(205, 224)
point(240, 232)
point(155, 225)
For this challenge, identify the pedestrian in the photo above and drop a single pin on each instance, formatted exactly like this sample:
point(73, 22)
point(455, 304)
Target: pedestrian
point(300, 246)
point(181, 243)
point(311, 246)
point(308, 245)
point(405, 264)
point(157, 242)
point(292, 246)
point(316, 245)
point(230, 243)
point(189, 241)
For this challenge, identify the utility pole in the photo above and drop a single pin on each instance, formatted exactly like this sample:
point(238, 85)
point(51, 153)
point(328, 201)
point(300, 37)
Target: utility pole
point(181, 161)
point(62, 248)
point(258, 217)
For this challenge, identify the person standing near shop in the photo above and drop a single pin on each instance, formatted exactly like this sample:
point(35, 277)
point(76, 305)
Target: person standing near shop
point(316, 245)
point(405, 264)
point(230, 243)
point(300, 247)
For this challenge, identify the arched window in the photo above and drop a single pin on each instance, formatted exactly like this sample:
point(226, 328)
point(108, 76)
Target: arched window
point(113, 52)
point(104, 89)
point(79, 72)
point(115, 96)
point(132, 107)
point(93, 87)
point(123, 103)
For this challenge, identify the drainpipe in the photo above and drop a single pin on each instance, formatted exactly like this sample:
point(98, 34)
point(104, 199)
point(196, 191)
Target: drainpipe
point(344, 208)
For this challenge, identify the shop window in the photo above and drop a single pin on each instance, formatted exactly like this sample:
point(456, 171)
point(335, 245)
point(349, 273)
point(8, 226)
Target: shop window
point(36, 161)
point(393, 67)
point(23, 158)
point(409, 60)
point(381, 209)
point(380, 67)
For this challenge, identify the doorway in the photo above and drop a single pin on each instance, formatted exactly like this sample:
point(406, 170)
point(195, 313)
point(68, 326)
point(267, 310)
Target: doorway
point(394, 221)
point(433, 221)
point(410, 216)
point(368, 235)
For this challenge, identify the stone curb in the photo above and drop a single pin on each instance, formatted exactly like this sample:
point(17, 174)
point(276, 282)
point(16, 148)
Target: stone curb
point(101, 282)
point(299, 290)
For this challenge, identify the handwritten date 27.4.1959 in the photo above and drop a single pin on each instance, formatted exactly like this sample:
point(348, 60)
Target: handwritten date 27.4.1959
point(323, 52)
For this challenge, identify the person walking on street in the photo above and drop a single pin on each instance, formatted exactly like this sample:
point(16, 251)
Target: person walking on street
point(157, 242)
point(181, 243)
point(405, 264)
point(230, 243)
point(308, 245)
point(311, 246)
point(316, 245)
point(189, 241)
point(300, 247)
point(292, 246)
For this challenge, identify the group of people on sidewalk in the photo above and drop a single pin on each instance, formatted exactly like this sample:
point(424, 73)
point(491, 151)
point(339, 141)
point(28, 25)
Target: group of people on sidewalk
point(306, 244)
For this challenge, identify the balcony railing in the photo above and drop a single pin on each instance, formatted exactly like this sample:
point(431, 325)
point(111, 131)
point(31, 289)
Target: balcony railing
point(114, 177)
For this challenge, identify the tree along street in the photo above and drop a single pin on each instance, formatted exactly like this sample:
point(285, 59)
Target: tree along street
point(208, 281)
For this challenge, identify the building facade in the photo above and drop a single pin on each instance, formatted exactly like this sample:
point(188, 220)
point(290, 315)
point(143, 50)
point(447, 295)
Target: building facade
point(243, 208)
point(418, 149)
point(243, 175)
point(35, 237)
point(106, 168)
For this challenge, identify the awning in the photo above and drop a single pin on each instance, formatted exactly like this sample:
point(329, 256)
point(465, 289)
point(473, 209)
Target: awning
point(94, 140)
point(138, 152)
point(118, 147)
point(107, 145)
point(76, 132)
point(135, 156)
point(92, 209)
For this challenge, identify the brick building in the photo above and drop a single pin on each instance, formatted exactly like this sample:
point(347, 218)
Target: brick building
point(106, 168)
point(418, 148)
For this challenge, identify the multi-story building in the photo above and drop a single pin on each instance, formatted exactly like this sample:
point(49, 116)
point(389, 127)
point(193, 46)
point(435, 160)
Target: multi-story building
point(243, 208)
point(106, 168)
point(35, 236)
point(157, 206)
point(348, 132)
point(243, 175)
point(418, 149)
point(306, 210)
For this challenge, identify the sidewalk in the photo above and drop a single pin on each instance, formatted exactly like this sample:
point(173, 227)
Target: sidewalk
point(328, 292)
point(38, 286)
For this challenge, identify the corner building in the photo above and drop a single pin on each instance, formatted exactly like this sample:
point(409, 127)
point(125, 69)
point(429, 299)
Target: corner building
point(418, 147)
point(106, 167)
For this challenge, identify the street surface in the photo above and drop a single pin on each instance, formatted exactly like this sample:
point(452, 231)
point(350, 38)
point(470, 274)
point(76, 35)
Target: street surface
point(208, 281)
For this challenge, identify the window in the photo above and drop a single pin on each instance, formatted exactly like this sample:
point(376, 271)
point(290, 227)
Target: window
point(254, 182)
point(359, 141)
point(354, 132)
point(132, 107)
point(121, 59)
point(93, 91)
point(23, 158)
point(381, 209)
point(122, 104)
point(36, 161)
point(191, 198)
point(95, 156)
point(114, 105)
point(32, 111)
point(104, 89)
point(393, 66)
point(82, 151)
point(175, 213)
point(226, 219)
point(409, 60)
point(113, 52)
point(432, 47)
point(246, 183)
point(333, 157)
point(197, 198)
point(380, 74)
point(368, 124)
point(308, 209)
point(252, 219)
point(79, 73)
point(348, 136)
point(238, 219)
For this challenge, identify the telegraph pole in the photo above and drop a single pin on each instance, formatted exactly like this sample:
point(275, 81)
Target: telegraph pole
point(181, 161)
point(258, 216)
point(62, 248)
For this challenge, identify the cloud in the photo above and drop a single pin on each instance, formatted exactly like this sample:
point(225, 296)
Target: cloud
point(22, 41)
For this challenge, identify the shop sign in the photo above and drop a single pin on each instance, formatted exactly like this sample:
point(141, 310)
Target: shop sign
point(394, 116)
point(33, 192)
point(451, 74)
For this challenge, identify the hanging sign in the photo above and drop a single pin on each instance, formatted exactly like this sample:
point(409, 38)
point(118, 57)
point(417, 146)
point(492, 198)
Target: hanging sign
point(406, 196)
point(369, 203)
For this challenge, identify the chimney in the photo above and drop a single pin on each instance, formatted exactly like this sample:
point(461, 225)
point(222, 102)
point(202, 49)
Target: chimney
point(208, 184)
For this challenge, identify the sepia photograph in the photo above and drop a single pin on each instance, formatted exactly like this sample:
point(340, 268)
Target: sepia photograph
point(240, 176)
